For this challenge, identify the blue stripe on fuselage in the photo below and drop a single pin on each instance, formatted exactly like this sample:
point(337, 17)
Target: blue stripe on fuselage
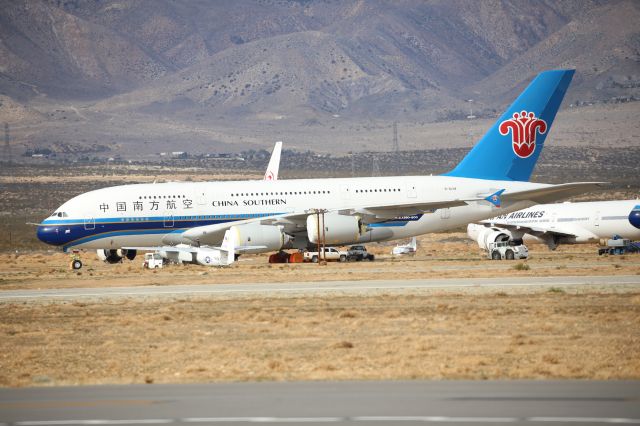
point(72, 232)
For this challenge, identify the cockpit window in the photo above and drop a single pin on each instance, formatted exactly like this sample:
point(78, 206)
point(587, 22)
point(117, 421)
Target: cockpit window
point(59, 214)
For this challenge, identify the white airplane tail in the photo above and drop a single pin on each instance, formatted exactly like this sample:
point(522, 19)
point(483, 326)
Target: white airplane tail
point(274, 163)
point(229, 246)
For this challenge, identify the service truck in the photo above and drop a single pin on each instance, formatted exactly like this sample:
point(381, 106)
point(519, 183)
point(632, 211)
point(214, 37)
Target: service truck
point(331, 254)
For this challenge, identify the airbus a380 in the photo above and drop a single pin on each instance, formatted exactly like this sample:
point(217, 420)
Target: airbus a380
point(261, 216)
point(564, 223)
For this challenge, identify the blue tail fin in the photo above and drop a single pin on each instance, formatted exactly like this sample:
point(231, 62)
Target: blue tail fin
point(510, 149)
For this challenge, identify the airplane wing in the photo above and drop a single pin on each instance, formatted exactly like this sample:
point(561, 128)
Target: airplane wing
point(552, 193)
point(536, 231)
point(296, 221)
point(385, 212)
point(213, 234)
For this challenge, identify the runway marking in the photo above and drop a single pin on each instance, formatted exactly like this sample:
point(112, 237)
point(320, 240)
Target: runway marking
point(356, 419)
point(584, 420)
point(303, 288)
point(96, 422)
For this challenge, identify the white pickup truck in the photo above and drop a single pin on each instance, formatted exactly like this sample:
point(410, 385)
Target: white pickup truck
point(331, 254)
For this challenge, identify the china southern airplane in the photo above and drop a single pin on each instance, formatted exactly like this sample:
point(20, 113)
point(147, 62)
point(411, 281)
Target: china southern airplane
point(266, 216)
point(564, 223)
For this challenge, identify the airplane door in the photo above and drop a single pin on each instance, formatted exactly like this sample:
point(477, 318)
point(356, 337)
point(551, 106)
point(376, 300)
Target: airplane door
point(412, 192)
point(445, 213)
point(201, 199)
point(596, 219)
point(89, 223)
point(168, 219)
point(344, 192)
point(554, 220)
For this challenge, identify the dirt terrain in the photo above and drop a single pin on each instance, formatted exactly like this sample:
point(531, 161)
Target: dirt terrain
point(544, 334)
point(568, 332)
point(447, 255)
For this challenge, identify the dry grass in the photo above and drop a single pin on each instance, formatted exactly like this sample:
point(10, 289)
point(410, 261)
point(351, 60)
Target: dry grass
point(447, 255)
point(443, 336)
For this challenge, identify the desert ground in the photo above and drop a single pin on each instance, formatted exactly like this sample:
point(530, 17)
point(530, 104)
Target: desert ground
point(567, 332)
point(564, 332)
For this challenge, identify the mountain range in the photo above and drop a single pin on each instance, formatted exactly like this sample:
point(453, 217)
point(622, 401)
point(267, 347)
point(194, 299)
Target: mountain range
point(73, 70)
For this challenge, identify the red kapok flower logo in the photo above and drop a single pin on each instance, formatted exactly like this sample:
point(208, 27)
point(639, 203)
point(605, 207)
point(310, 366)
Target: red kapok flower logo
point(523, 128)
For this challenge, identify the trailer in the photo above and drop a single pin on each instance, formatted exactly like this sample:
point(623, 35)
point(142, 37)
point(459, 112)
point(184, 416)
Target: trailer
point(618, 245)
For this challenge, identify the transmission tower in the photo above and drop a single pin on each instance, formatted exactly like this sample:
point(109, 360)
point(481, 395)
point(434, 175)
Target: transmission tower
point(375, 167)
point(396, 148)
point(353, 164)
point(7, 147)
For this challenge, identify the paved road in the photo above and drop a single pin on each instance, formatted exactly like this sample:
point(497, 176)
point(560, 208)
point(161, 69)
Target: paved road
point(379, 403)
point(308, 288)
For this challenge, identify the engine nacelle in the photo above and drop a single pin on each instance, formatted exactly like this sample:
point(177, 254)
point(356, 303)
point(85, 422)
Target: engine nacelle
point(484, 235)
point(338, 229)
point(112, 256)
point(262, 238)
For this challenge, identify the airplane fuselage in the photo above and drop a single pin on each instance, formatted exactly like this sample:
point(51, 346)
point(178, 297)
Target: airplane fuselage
point(152, 214)
point(586, 221)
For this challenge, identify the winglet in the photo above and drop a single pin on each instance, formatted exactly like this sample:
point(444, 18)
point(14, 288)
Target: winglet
point(495, 198)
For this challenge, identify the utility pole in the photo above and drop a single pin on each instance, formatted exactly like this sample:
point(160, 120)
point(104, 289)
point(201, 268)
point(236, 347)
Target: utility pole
point(396, 148)
point(7, 147)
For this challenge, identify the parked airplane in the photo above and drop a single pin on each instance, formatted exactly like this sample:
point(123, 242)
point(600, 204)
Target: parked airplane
point(564, 223)
point(405, 249)
point(268, 216)
point(274, 163)
point(224, 255)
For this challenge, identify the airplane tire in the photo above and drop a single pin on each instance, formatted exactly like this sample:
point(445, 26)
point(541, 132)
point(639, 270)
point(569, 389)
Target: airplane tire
point(509, 255)
point(76, 264)
point(496, 255)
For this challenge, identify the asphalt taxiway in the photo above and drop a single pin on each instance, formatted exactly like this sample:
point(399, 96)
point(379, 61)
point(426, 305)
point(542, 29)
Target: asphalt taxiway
point(379, 403)
point(312, 288)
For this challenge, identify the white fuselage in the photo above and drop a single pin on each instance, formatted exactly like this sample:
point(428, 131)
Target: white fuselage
point(587, 221)
point(144, 214)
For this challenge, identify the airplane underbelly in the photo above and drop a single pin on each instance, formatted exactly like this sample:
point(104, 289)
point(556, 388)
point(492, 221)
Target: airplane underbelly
point(115, 242)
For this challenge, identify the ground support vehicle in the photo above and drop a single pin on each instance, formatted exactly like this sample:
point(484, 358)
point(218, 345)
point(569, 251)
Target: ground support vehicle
point(152, 261)
point(506, 250)
point(359, 253)
point(285, 257)
point(330, 254)
point(619, 245)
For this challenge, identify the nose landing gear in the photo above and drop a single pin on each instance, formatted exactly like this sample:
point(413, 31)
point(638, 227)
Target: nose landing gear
point(75, 262)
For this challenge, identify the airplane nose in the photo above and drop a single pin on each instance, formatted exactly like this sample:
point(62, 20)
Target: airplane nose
point(634, 216)
point(49, 235)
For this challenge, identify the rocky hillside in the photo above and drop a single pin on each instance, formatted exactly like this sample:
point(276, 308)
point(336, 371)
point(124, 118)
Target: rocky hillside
point(303, 60)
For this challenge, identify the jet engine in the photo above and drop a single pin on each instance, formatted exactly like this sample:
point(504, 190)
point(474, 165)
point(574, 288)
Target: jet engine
point(338, 229)
point(115, 256)
point(262, 238)
point(484, 235)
